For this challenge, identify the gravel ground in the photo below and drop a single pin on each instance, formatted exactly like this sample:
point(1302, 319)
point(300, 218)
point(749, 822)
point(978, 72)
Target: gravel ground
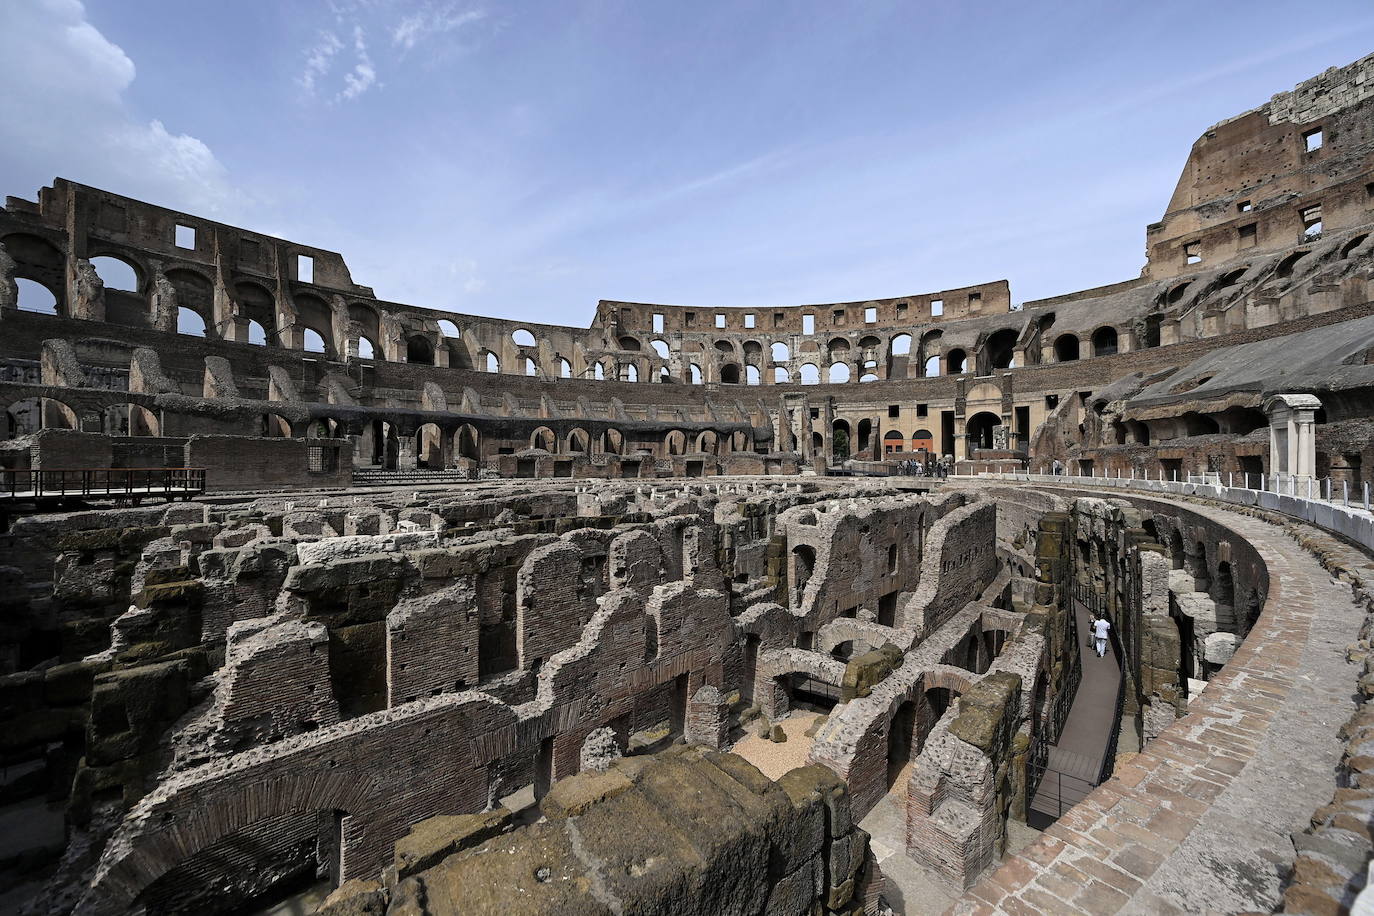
point(776, 759)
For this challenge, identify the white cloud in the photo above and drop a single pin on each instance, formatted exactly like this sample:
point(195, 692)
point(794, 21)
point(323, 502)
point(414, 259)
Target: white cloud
point(433, 19)
point(64, 112)
point(322, 57)
point(363, 74)
point(319, 59)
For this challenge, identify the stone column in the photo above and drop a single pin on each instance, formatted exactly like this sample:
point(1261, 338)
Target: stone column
point(1292, 436)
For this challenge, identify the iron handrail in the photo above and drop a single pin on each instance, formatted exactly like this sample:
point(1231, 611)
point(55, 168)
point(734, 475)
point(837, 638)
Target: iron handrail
point(43, 483)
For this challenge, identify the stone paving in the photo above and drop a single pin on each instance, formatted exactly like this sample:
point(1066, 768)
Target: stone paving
point(1199, 821)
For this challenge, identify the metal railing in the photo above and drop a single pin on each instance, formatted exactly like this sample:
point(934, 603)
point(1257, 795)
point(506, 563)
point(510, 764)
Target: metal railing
point(130, 483)
point(1037, 764)
point(1348, 512)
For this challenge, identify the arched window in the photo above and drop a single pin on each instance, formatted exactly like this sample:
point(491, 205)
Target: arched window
point(366, 349)
point(564, 368)
point(957, 361)
point(751, 375)
point(781, 376)
point(190, 323)
point(448, 328)
point(660, 347)
point(780, 352)
point(314, 343)
point(729, 374)
point(1104, 341)
point(35, 297)
point(695, 371)
point(629, 373)
point(493, 364)
point(1066, 348)
point(531, 368)
point(810, 374)
point(932, 368)
point(598, 371)
point(256, 335)
point(663, 375)
point(522, 338)
point(839, 372)
point(115, 273)
point(901, 345)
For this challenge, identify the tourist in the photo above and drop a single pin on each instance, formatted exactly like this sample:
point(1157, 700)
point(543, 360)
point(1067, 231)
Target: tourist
point(1058, 467)
point(1100, 629)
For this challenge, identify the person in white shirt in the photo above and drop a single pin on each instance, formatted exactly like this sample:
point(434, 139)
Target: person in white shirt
point(1100, 629)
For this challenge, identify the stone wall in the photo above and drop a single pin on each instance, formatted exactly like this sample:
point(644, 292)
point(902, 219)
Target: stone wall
point(245, 463)
point(686, 832)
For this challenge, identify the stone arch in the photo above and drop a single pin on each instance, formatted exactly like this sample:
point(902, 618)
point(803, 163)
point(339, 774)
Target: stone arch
point(578, 442)
point(119, 272)
point(613, 442)
point(523, 338)
point(675, 442)
point(1001, 349)
point(23, 418)
point(708, 441)
point(314, 314)
point(780, 352)
point(274, 425)
point(369, 324)
point(257, 303)
point(467, 442)
point(729, 374)
point(978, 428)
point(810, 374)
point(1066, 348)
point(191, 323)
point(431, 447)
point(419, 350)
point(491, 362)
point(35, 297)
point(42, 265)
point(544, 438)
point(956, 361)
point(195, 293)
point(694, 372)
point(838, 373)
point(1104, 341)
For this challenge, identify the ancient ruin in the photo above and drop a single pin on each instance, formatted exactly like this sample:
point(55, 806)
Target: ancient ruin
point(359, 607)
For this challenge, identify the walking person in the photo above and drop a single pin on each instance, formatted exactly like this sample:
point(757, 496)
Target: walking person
point(1101, 627)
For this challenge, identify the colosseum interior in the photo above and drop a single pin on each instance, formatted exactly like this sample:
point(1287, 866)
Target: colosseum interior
point(319, 603)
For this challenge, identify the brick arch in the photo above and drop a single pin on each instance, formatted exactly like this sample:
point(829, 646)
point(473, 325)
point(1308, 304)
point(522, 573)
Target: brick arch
point(351, 767)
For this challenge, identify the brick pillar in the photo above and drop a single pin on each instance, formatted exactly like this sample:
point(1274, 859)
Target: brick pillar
point(708, 718)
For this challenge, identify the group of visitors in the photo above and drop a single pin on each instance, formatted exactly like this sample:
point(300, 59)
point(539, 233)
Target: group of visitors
point(914, 467)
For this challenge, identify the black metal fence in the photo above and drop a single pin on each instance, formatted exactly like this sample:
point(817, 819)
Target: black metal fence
point(1069, 790)
point(128, 483)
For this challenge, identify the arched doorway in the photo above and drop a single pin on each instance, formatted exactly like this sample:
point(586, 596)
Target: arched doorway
point(979, 430)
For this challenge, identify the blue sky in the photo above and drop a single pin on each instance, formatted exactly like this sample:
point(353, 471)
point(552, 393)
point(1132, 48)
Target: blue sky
point(524, 159)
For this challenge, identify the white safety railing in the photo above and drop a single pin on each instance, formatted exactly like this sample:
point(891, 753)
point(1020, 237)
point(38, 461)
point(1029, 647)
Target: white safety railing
point(1324, 502)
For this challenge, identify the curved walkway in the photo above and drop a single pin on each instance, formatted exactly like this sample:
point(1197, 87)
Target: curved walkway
point(1199, 821)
